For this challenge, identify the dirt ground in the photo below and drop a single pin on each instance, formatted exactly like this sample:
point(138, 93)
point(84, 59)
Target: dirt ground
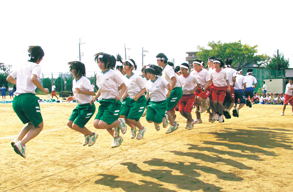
point(249, 153)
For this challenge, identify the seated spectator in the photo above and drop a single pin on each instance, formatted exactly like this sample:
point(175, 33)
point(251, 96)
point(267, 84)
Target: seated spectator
point(282, 97)
point(263, 99)
point(256, 98)
point(271, 99)
point(278, 100)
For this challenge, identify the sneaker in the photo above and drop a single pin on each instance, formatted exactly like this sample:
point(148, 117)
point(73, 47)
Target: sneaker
point(282, 114)
point(187, 125)
point(13, 142)
point(197, 121)
point(227, 114)
point(92, 139)
point(141, 133)
point(86, 140)
point(165, 121)
point(190, 126)
point(116, 131)
point(157, 127)
point(117, 142)
point(221, 119)
point(20, 149)
point(247, 102)
point(234, 113)
point(172, 128)
point(122, 126)
point(133, 133)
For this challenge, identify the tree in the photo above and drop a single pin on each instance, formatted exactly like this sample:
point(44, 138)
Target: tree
point(240, 54)
point(278, 62)
point(4, 72)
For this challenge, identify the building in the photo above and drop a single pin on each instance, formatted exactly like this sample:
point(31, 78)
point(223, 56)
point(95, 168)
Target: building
point(191, 57)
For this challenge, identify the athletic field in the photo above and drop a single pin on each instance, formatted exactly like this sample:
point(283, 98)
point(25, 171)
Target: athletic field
point(250, 153)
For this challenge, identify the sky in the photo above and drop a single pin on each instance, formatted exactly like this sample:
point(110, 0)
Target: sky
point(170, 27)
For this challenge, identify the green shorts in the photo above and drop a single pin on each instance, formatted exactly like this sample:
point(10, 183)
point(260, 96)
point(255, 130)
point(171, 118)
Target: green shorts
point(156, 111)
point(27, 108)
point(133, 109)
point(109, 110)
point(82, 114)
point(174, 97)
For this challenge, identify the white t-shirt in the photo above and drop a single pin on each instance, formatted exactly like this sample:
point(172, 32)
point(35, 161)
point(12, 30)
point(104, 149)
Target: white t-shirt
point(219, 78)
point(239, 82)
point(108, 83)
point(264, 86)
point(167, 73)
point(53, 87)
point(157, 89)
point(23, 77)
point(288, 91)
point(10, 89)
point(202, 76)
point(84, 85)
point(188, 83)
point(135, 83)
point(230, 74)
point(250, 81)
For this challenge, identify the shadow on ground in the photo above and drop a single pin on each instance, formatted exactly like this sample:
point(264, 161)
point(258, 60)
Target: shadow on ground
point(248, 144)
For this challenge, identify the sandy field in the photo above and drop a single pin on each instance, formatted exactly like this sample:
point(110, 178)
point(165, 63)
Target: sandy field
point(249, 153)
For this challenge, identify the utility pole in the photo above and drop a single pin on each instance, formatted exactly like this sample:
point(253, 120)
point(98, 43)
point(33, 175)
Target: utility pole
point(142, 55)
point(125, 51)
point(79, 48)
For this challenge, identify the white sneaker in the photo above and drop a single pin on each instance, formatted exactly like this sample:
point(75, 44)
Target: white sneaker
point(133, 133)
point(122, 126)
point(165, 121)
point(157, 127)
point(187, 125)
point(117, 142)
point(190, 126)
point(116, 131)
point(92, 139)
point(282, 114)
point(172, 128)
point(141, 133)
point(197, 121)
point(86, 140)
point(221, 119)
point(20, 149)
point(14, 141)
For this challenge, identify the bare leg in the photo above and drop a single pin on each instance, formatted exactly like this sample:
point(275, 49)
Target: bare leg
point(24, 131)
point(32, 133)
point(170, 118)
point(135, 124)
point(75, 127)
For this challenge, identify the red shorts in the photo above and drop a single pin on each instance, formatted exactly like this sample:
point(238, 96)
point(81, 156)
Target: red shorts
point(186, 103)
point(203, 95)
point(53, 93)
point(287, 99)
point(219, 93)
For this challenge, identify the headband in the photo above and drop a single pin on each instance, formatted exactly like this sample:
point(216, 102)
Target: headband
point(183, 66)
point(216, 61)
point(131, 63)
point(197, 62)
point(100, 56)
point(160, 58)
point(150, 68)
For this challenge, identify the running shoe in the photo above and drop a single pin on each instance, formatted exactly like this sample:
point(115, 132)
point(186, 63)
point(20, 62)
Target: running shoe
point(234, 113)
point(122, 126)
point(282, 114)
point(92, 139)
point(157, 127)
point(20, 149)
point(117, 142)
point(172, 128)
point(133, 133)
point(221, 119)
point(141, 133)
point(227, 114)
point(165, 121)
point(187, 125)
point(116, 131)
point(197, 121)
point(13, 142)
point(190, 126)
point(86, 140)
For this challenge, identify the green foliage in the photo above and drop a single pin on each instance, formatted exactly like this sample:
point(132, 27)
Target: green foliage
point(4, 72)
point(239, 53)
point(47, 83)
point(278, 62)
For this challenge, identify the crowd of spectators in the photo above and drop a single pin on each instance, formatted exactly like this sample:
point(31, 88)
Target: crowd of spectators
point(269, 98)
